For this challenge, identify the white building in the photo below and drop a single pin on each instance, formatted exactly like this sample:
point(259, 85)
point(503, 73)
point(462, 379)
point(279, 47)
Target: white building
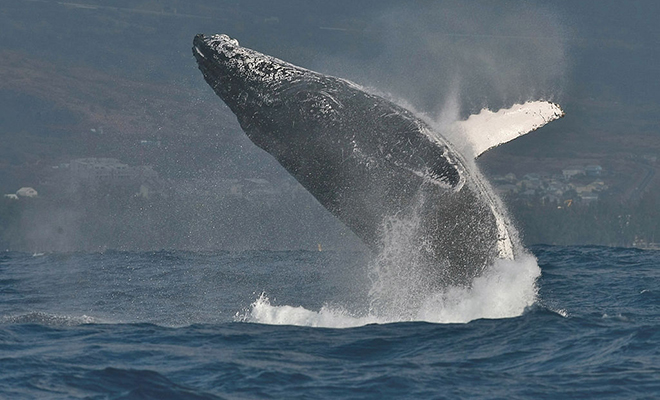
point(26, 192)
point(572, 171)
point(108, 170)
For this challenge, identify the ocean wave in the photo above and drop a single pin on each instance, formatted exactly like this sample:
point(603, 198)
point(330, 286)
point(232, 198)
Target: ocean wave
point(47, 319)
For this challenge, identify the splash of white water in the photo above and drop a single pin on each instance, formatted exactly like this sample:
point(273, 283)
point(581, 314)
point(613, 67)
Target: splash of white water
point(402, 289)
point(504, 291)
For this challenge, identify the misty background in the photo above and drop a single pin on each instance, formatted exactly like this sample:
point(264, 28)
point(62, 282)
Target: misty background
point(104, 114)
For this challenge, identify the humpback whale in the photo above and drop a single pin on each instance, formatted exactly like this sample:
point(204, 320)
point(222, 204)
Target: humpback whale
point(370, 161)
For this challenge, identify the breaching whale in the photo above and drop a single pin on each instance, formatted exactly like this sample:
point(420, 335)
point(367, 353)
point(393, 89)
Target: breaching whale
point(371, 162)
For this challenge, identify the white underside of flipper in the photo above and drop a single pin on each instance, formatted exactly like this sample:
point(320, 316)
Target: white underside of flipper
point(489, 129)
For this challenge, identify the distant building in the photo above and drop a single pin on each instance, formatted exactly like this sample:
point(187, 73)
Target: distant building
point(528, 184)
point(556, 188)
point(506, 189)
point(258, 188)
point(533, 176)
point(26, 192)
point(510, 177)
point(593, 170)
point(650, 158)
point(581, 189)
point(108, 170)
point(589, 197)
point(550, 188)
point(598, 186)
point(551, 198)
point(98, 169)
point(571, 172)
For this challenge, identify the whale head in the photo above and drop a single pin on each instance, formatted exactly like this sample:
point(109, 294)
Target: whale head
point(242, 77)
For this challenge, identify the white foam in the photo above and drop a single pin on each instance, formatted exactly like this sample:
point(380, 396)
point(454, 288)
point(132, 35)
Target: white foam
point(504, 291)
point(261, 311)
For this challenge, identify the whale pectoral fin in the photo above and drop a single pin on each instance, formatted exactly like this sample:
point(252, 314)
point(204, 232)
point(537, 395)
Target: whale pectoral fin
point(490, 129)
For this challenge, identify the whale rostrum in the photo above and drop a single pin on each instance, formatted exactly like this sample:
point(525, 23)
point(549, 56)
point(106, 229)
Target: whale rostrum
point(368, 161)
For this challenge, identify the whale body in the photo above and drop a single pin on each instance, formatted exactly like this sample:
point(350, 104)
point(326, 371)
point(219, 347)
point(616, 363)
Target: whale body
point(368, 161)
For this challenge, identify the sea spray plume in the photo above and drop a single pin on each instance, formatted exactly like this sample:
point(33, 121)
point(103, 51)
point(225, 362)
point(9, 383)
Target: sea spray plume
point(505, 290)
point(503, 53)
point(367, 160)
point(490, 54)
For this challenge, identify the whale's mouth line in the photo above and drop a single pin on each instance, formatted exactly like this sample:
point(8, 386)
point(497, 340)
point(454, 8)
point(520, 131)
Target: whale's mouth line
point(206, 61)
point(202, 49)
point(199, 53)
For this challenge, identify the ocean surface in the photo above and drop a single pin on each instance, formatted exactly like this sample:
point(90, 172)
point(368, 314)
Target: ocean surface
point(565, 322)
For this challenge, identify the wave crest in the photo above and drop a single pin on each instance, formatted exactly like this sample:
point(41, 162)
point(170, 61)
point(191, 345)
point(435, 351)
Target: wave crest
point(47, 319)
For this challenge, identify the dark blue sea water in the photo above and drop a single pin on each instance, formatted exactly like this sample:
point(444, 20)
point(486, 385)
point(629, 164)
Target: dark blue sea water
point(181, 325)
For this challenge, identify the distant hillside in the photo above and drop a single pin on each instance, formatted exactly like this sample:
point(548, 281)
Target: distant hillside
point(126, 67)
point(91, 78)
point(52, 113)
